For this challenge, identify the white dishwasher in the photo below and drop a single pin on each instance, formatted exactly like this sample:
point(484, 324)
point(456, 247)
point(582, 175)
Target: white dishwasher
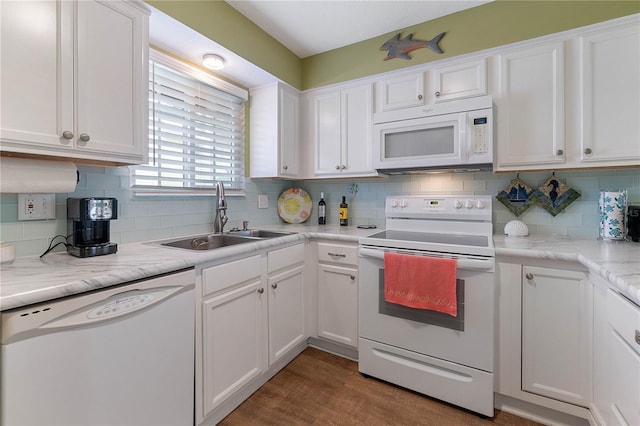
point(119, 356)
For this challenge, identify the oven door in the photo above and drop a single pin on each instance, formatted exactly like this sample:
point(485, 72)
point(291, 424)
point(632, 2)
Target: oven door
point(466, 339)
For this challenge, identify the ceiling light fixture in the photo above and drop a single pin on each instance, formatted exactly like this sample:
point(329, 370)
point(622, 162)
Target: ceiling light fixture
point(213, 62)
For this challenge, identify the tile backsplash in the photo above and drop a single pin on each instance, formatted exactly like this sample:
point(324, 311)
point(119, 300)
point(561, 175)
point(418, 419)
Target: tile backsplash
point(145, 219)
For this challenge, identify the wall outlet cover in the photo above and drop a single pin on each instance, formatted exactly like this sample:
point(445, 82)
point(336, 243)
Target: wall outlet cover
point(263, 201)
point(36, 206)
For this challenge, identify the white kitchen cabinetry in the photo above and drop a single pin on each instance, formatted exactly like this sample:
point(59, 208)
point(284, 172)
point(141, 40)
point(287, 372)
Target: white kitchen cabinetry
point(342, 126)
point(338, 293)
point(616, 390)
point(74, 80)
point(274, 132)
point(459, 81)
point(545, 335)
point(286, 300)
point(530, 108)
point(610, 93)
point(234, 331)
point(400, 92)
point(556, 334)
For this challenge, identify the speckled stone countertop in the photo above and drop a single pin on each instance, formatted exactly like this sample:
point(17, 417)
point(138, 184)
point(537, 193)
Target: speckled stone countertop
point(30, 280)
point(616, 261)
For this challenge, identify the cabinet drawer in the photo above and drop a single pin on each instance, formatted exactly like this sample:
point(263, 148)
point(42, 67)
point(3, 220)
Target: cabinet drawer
point(281, 258)
point(228, 274)
point(624, 317)
point(338, 253)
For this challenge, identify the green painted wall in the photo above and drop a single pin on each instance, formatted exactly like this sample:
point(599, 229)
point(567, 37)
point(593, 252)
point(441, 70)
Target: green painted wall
point(226, 26)
point(490, 25)
point(483, 27)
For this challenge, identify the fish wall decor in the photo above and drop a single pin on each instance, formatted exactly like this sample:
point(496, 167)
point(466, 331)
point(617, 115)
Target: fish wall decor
point(400, 48)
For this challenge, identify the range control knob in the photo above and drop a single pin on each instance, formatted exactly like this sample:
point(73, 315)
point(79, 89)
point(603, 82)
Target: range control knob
point(394, 203)
point(403, 203)
point(458, 204)
point(479, 205)
point(468, 204)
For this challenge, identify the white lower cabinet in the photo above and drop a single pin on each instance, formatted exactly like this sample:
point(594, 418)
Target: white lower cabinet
point(616, 391)
point(556, 334)
point(545, 340)
point(286, 302)
point(249, 324)
point(338, 293)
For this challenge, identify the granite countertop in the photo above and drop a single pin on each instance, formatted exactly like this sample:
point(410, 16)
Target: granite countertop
point(30, 280)
point(616, 261)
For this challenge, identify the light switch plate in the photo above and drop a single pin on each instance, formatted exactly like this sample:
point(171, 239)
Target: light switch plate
point(36, 206)
point(263, 201)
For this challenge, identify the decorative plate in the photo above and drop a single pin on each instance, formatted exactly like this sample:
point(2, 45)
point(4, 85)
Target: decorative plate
point(294, 205)
point(554, 195)
point(516, 196)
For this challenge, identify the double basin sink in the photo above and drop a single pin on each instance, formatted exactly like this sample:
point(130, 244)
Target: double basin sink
point(213, 241)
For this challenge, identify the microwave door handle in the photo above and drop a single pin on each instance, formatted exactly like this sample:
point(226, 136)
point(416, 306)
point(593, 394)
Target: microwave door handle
point(475, 264)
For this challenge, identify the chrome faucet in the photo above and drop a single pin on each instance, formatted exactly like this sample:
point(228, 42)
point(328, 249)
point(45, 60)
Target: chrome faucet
point(221, 209)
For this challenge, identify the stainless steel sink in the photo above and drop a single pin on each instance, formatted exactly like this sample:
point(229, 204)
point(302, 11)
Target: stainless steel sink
point(261, 233)
point(208, 242)
point(213, 241)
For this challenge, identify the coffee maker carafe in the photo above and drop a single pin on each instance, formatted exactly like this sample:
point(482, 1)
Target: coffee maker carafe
point(88, 222)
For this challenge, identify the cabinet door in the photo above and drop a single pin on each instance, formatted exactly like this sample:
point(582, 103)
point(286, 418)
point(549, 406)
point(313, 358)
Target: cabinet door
point(400, 92)
point(36, 79)
point(460, 81)
point(338, 304)
point(112, 79)
point(557, 325)
point(286, 312)
point(530, 108)
point(357, 116)
point(234, 342)
point(327, 137)
point(610, 124)
point(289, 131)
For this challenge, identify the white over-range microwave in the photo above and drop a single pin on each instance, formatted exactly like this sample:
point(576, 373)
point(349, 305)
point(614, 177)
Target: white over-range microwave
point(456, 135)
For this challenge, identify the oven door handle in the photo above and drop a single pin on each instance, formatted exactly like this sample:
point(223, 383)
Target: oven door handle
point(475, 264)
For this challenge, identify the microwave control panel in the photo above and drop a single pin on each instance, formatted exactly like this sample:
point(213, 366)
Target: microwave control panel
point(479, 143)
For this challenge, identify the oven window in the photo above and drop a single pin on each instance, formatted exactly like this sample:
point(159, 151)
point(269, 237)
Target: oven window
point(424, 316)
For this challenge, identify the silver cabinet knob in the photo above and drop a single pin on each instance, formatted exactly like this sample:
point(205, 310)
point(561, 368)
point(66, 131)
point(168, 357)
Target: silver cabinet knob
point(529, 276)
point(67, 134)
point(587, 151)
point(84, 137)
point(274, 286)
point(337, 167)
point(261, 290)
point(353, 277)
point(285, 167)
point(638, 337)
point(343, 167)
point(420, 97)
point(437, 94)
point(559, 152)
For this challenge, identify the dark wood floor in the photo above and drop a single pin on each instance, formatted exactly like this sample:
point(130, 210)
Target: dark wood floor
point(318, 388)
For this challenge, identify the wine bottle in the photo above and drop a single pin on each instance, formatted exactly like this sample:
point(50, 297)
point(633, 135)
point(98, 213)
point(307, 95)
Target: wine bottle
point(344, 212)
point(322, 210)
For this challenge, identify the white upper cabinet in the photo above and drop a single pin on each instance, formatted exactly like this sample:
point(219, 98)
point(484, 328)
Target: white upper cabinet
point(75, 80)
point(610, 93)
point(459, 81)
point(530, 108)
point(341, 132)
point(401, 92)
point(274, 130)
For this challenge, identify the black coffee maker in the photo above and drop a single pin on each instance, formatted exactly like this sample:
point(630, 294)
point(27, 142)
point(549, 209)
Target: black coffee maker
point(88, 226)
point(633, 223)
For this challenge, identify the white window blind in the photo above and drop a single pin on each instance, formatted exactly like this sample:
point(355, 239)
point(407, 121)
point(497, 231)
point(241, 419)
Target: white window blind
point(196, 134)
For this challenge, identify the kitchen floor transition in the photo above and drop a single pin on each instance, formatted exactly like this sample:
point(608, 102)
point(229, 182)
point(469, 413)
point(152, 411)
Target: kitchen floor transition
point(318, 388)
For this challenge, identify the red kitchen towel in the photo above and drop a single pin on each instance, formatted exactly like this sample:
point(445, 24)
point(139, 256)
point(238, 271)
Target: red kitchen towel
point(421, 282)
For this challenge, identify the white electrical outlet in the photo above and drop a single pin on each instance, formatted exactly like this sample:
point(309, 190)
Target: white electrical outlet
point(263, 201)
point(36, 206)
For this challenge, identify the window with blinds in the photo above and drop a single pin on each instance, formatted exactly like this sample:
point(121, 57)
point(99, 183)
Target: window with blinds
point(196, 132)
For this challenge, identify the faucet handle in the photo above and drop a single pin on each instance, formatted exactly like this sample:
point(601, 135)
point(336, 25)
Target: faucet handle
point(245, 225)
